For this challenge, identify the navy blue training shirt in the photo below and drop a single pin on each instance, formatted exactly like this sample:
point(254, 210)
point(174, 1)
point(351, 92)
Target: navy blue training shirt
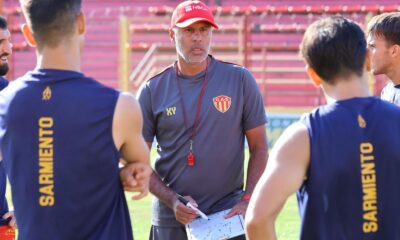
point(3, 83)
point(3, 200)
point(60, 156)
point(351, 191)
point(3, 179)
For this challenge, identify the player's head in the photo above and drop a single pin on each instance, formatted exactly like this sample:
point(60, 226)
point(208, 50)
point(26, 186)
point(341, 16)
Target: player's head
point(51, 21)
point(334, 48)
point(191, 30)
point(5, 46)
point(383, 37)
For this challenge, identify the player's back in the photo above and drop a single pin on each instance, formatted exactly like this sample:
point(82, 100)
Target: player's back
point(61, 158)
point(351, 190)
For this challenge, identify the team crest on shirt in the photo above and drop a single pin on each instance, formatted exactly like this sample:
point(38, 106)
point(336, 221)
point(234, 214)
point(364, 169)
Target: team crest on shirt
point(46, 95)
point(361, 122)
point(222, 103)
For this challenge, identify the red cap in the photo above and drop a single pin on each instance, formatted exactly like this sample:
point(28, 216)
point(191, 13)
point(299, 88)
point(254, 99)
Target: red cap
point(189, 12)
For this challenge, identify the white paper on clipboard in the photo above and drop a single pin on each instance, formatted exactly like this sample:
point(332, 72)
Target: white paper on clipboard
point(216, 228)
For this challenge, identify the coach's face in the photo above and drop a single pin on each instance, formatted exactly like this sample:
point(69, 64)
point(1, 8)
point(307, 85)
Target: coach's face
point(5, 50)
point(381, 54)
point(193, 42)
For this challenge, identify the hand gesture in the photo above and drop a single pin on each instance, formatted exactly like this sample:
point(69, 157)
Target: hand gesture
point(13, 220)
point(239, 208)
point(184, 214)
point(135, 177)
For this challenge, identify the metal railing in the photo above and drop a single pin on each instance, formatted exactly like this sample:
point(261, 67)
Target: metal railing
point(144, 68)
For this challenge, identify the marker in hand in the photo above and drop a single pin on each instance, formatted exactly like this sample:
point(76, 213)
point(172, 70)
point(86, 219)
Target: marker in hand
point(188, 204)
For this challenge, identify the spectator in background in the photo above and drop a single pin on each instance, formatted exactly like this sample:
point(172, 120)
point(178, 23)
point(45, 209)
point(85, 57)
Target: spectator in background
point(200, 110)
point(62, 135)
point(383, 38)
point(5, 51)
point(343, 157)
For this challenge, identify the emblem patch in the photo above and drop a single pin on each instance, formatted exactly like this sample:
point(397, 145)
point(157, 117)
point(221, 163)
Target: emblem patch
point(222, 103)
point(46, 95)
point(361, 122)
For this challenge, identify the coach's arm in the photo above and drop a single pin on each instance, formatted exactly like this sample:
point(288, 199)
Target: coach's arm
point(183, 214)
point(258, 150)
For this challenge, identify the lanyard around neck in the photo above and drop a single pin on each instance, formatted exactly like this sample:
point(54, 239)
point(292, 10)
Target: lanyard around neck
point(193, 134)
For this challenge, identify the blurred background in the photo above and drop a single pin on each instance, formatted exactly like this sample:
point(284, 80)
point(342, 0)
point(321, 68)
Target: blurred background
point(127, 41)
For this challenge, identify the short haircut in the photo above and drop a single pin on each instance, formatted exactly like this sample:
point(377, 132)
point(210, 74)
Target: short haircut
point(334, 47)
point(3, 23)
point(51, 20)
point(386, 25)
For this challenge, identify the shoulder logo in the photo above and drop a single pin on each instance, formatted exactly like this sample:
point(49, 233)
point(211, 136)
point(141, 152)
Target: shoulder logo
point(46, 95)
point(361, 122)
point(170, 111)
point(222, 103)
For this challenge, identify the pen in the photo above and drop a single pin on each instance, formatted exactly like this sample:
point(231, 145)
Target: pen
point(188, 204)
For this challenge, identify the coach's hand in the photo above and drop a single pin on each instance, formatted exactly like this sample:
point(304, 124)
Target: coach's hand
point(239, 208)
point(183, 214)
point(135, 177)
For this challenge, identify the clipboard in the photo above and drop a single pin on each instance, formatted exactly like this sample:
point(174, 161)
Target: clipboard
point(216, 228)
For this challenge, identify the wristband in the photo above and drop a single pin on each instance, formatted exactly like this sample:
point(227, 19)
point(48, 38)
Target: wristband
point(246, 197)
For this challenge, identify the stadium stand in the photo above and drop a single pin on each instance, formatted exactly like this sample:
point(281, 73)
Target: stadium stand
point(263, 37)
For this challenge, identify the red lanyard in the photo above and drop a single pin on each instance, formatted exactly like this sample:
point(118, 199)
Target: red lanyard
point(190, 158)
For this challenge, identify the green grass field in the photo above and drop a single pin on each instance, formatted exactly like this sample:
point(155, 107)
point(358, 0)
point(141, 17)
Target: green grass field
point(287, 225)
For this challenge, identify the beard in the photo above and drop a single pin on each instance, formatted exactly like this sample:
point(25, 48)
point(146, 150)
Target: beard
point(4, 69)
point(190, 58)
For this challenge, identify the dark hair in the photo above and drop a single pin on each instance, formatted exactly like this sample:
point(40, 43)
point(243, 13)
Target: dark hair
point(334, 47)
point(51, 20)
point(386, 25)
point(3, 23)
